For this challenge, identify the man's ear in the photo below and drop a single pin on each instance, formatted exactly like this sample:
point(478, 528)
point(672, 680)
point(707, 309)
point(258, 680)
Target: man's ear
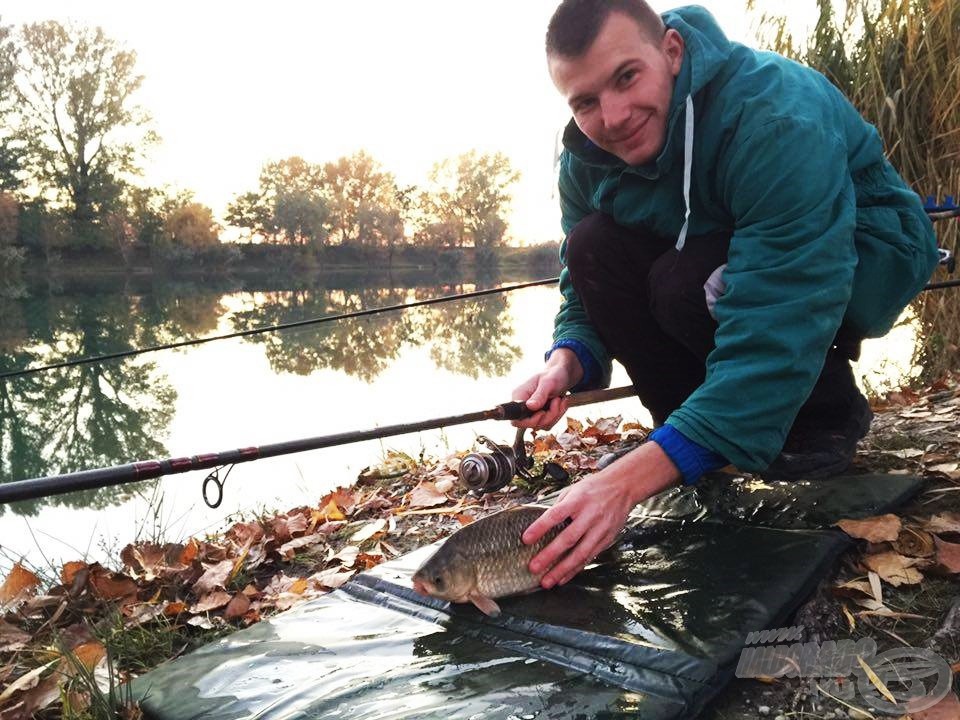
point(672, 46)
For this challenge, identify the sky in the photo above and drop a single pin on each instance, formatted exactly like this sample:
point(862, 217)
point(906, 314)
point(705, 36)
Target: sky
point(231, 86)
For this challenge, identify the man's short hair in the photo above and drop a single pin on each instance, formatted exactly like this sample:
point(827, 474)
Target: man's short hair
point(576, 23)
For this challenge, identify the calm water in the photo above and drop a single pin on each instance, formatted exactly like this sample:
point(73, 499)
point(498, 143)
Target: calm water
point(399, 367)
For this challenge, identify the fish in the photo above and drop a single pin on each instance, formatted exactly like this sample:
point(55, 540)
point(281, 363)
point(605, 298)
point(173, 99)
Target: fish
point(485, 560)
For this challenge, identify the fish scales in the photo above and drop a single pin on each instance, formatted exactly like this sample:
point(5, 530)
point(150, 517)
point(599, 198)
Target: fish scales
point(484, 560)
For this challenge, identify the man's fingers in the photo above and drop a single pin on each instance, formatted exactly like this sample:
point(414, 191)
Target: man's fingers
point(557, 548)
point(588, 548)
point(552, 516)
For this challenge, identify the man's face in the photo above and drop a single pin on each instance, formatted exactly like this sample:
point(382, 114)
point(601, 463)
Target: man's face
point(619, 90)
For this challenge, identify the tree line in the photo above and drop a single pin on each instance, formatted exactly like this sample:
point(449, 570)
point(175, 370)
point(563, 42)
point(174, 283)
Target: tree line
point(73, 140)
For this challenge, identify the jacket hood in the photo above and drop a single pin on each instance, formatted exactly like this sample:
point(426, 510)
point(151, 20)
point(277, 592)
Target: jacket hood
point(706, 48)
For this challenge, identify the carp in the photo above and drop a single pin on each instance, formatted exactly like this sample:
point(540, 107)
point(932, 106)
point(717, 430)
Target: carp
point(485, 560)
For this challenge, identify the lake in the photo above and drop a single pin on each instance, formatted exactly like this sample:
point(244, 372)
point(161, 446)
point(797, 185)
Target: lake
point(397, 367)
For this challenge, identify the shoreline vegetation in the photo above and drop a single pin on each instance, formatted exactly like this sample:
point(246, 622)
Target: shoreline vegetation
point(71, 637)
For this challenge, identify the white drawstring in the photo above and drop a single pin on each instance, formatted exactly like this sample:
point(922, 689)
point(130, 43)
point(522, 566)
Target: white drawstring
point(687, 168)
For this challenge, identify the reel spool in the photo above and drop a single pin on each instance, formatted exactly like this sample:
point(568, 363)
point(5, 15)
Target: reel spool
point(487, 472)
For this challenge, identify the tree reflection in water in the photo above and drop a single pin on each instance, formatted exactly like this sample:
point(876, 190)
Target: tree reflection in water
point(119, 411)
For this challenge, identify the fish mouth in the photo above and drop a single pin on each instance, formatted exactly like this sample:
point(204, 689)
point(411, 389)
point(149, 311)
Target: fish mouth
point(422, 587)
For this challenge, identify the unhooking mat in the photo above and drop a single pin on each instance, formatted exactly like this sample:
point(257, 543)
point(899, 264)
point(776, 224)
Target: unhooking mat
point(655, 633)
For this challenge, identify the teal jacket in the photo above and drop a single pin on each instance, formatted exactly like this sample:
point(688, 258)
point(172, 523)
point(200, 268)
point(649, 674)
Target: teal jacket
point(823, 230)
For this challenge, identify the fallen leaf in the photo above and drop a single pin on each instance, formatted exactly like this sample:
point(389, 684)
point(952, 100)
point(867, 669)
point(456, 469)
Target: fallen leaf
point(894, 568)
point(875, 588)
point(70, 570)
point(574, 426)
point(880, 528)
point(945, 468)
point(368, 531)
point(854, 589)
point(90, 654)
point(568, 440)
point(299, 586)
point(237, 607)
point(948, 556)
point(347, 555)
point(175, 608)
point(111, 585)
point(369, 560)
point(288, 549)
point(19, 583)
point(445, 485)
point(947, 709)
point(946, 523)
point(915, 543)
point(876, 681)
point(201, 621)
point(25, 681)
point(851, 621)
point(214, 576)
point(12, 638)
point(211, 601)
point(330, 511)
point(425, 495)
point(332, 578)
point(545, 443)
point(904, 454)
point(461, 518)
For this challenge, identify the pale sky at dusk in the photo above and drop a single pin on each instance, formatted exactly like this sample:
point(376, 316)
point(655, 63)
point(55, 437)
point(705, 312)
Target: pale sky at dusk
point(232, 85)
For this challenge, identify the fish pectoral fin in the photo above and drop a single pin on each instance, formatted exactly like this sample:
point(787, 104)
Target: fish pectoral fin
point(486, 605)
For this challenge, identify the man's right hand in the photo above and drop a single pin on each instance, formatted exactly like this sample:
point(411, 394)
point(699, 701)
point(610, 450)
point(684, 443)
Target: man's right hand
point(545, 391)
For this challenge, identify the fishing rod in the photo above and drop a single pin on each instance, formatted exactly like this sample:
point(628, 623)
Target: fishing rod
point(150, 469)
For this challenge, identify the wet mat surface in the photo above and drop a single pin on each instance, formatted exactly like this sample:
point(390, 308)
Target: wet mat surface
point(654, 632)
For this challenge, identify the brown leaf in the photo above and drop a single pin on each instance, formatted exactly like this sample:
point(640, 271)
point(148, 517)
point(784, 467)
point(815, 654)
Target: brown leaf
point(854, 589)
point(425, 495)
point(369, 560)
point(69, 571)
point(12, 638)
point(285, 527)
point(19, 583)
point(111, 585)
point(369, 530)
point(341, 497)
point(214, 576)
point(175, 608)
point(237, 607)
point(881, 528)
point(545, 443)
point(894, 568)
point(946, 523)
point(347, 555)
point(461, 518)
point(332, 578)
point(288, 549)
point(299, 586)
point(189, 552)
point(948, 556)
point(211, 601)
point(947, 709)
point(569, 440)
point(915, 543)
point(574, 426)
point(89, 654)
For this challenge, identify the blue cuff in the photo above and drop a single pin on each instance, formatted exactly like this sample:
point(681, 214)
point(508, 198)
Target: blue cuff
point(592, 372)
point(691, 459)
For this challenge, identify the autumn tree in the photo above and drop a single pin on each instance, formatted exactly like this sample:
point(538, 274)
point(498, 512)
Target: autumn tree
point(468, 199)
point(365, 202)
point(289, 206)
point(81, 128)
point(9, 150)
point(191, 226)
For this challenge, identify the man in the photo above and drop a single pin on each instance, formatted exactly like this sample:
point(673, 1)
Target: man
point(733, 231)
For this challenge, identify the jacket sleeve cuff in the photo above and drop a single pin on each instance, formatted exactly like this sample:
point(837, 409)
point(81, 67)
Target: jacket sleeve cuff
point(592, 372)
point(691, 459)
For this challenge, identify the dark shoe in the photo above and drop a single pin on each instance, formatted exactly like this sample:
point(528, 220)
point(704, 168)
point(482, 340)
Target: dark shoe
point(813, 453)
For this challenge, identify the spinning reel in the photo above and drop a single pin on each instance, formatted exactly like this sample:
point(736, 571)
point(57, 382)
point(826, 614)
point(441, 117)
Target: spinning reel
point(486, 472)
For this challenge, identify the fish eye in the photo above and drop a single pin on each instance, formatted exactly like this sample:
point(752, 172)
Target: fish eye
point(438, 582)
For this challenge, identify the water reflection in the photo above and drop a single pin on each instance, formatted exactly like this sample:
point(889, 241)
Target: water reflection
point(118, 411)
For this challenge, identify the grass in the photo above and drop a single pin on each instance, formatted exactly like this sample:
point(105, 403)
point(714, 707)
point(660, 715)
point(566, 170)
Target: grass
point(898, 61)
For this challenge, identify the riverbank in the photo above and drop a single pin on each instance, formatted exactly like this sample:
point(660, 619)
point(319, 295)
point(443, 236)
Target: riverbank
point(66, 629)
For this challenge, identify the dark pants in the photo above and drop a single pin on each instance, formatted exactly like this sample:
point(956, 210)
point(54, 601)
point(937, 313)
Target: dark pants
point(647, 302)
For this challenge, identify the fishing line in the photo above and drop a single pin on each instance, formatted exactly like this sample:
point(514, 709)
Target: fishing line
point(274, 328)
